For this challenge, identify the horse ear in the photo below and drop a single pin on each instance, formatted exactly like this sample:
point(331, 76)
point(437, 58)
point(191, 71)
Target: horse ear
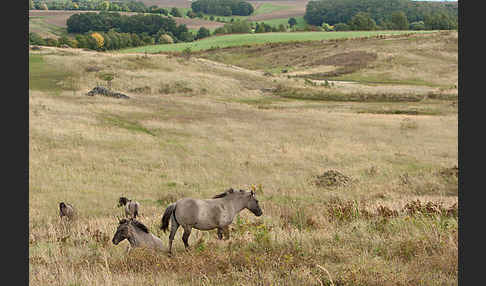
point(252, 193)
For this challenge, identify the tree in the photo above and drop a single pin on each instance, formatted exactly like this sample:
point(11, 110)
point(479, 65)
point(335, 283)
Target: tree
point(202, 33)
point(99, 40)
point(175, 12)
point(282, 28)
point(341, 27)
point(165, 39)
point(260, 28)
point(362, 21)
point(104, 6)
point(399, 21)
point(327, 27)
point(439, 21)
point(292, 22)
point(191, 14)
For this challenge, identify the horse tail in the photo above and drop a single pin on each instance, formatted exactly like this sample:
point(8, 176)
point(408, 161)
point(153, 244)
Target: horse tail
point(166, 217)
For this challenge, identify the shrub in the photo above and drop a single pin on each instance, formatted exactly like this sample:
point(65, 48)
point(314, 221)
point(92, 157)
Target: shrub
point(203, 33)
point(341, 27)
point(35, 39)
point(165, 39)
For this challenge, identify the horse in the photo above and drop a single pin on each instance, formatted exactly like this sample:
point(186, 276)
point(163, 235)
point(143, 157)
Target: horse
point(137, 235)
point(207, 214)
point(66, 210)
point(131, 207)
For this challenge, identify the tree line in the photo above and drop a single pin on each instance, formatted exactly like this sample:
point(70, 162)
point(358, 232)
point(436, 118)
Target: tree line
point(149, 24)
point(361, 14)
point(102, 5)
point(111, 30)
point(222, 7)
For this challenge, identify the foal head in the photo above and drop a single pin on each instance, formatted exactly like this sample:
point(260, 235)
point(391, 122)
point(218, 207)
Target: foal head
point(124, 230)
point(122, 201)
point(66, 210)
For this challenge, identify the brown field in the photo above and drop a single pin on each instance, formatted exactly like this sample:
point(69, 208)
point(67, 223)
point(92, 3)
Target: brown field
point(59, 18)
point(356, 188)
point(297, 9)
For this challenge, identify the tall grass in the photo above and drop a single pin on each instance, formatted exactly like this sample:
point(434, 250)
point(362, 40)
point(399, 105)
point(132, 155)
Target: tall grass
point(394, 223)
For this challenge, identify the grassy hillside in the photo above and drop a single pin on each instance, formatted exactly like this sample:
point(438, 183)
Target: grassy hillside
point(358, 186)
point(224, 41)
point(409, 60)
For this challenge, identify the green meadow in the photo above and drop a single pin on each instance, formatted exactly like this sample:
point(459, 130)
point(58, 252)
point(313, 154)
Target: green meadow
point(251, 39)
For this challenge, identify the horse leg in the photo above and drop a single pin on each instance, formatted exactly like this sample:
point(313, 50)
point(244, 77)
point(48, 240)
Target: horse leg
point(226, 232)
point(220, 233)
point(185, 236)
point(173, 229)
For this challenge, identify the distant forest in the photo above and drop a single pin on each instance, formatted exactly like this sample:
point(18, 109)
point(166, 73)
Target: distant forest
point(96, 5)
point(335, 12)
point(222, 7)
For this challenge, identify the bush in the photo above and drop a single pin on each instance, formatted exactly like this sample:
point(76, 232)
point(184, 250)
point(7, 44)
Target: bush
point(341, 27)
point(362, 22)
point(418, 25)
point(175, 12)
point(203, 33)
point(51, 42)
point(35, 39)
point(165, 39)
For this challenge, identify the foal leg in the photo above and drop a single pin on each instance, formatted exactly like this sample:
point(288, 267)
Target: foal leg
point(185, 236)
point(173, 229)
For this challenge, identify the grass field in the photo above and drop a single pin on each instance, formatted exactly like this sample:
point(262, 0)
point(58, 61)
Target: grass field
point(267, 8)
point(357, 182)
point(251, 39)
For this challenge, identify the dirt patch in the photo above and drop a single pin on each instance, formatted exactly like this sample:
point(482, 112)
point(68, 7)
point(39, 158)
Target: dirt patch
point(332, 178)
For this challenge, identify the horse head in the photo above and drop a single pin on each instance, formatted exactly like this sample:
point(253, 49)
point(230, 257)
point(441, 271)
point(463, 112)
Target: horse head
point(121, 232)
point(253, 205)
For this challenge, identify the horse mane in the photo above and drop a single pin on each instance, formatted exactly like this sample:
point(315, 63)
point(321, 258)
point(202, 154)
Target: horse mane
point(135, 223)
point(140, 226)
point(224, 194)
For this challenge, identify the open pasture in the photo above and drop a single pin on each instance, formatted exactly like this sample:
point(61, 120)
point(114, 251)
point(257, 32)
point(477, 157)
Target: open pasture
point(235, 40)
point(354, 189)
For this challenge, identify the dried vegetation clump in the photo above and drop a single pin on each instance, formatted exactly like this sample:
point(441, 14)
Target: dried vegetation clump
point(332, 178)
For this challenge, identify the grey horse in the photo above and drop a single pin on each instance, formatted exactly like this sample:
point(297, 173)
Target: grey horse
point(66, 210)
point(131, 207)
point(207, 214)
point(137, 235)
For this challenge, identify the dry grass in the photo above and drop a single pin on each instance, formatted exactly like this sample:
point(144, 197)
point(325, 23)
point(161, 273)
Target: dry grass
point(191, 128)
